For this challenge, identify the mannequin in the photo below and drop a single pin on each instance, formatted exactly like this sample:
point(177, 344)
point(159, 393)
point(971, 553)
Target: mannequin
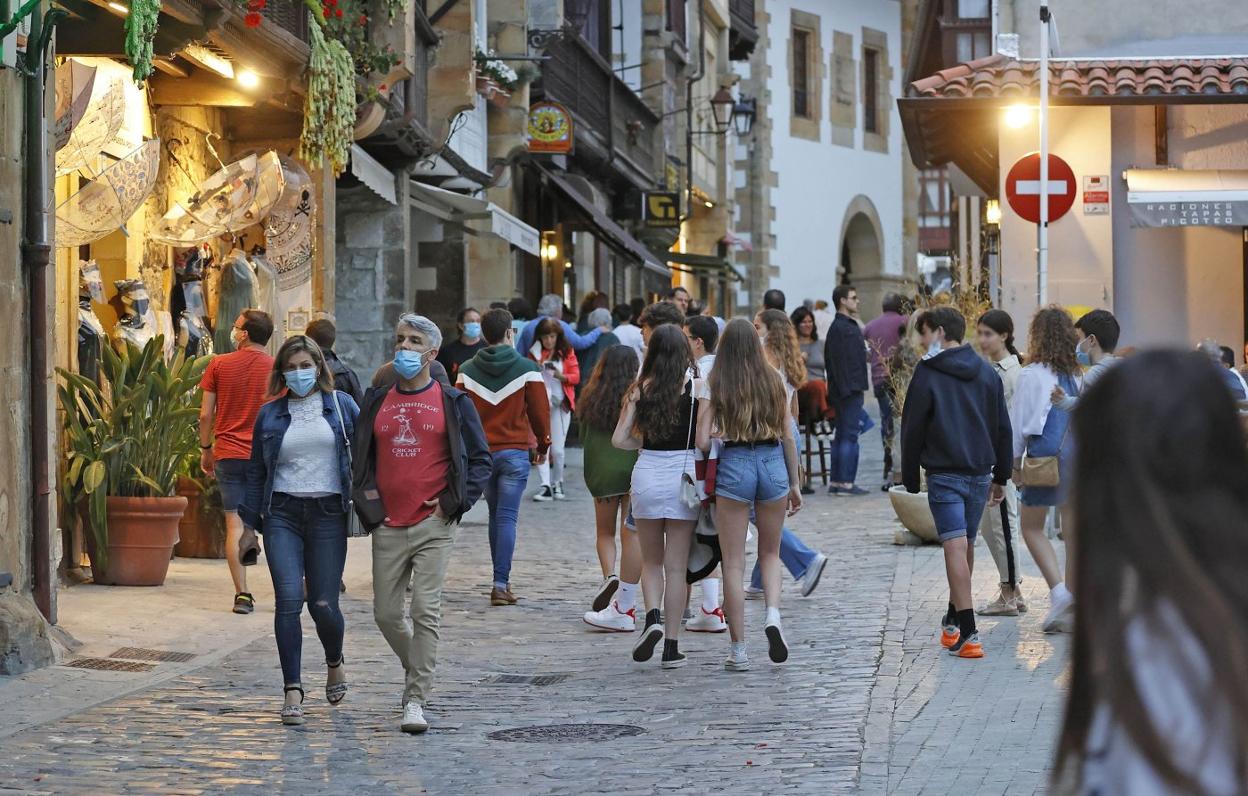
point(137, 323)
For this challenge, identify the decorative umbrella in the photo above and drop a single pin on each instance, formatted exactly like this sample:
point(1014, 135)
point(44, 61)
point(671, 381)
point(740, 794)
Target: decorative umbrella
point(236, 197)
point(96, 129)
point(108, 201)
point(74, 82)
point(288, 229)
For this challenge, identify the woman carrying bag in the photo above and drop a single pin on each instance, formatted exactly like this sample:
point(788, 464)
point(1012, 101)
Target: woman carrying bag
point(1043, 448)
point(562, 373)
point(659, 417)
point(299, 498)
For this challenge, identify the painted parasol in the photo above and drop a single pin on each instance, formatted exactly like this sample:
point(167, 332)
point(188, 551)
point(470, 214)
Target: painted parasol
point(74, 83)
point(236, 197)
point(288, 229)
point(108, 201)
point(97, 128)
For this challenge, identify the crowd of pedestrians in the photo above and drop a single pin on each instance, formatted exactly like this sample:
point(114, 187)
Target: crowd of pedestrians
point(691, 428)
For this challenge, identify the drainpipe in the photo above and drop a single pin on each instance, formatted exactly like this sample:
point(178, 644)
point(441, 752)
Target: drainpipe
point(36, 254)
point(689, 81)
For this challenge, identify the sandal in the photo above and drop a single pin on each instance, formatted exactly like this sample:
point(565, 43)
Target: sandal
point(334, 692)
point(293, 714)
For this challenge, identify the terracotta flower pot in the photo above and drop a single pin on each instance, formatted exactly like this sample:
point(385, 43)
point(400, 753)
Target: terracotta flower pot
point(141, 536)
point(201, 533)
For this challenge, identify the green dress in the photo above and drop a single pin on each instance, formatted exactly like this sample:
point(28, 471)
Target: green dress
point(608, 470)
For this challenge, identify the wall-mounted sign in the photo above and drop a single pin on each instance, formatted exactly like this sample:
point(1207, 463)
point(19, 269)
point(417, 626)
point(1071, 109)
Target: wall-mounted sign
point(1096, 195)
point(550, 128)
point(661, 209)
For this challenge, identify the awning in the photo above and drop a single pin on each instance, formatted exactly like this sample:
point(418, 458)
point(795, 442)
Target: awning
point(1181, 198)
point(478, 216)
point(704, 262)
point(378, 178)
point(612, 233)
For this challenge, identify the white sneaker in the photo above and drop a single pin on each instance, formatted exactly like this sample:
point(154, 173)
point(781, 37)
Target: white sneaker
point(558, 492)
point(707, 621)
point(613, 619)
point(544, 495)
point(414, 719)
point(1060, 618)
point(752, 593)
point(810, 579)
point(737, 663)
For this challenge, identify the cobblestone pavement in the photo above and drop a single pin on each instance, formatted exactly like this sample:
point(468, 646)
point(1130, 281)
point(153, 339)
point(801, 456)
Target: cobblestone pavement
point(866, 703)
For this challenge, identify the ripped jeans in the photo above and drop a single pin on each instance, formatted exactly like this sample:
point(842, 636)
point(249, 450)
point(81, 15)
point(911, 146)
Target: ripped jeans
point(305, 540)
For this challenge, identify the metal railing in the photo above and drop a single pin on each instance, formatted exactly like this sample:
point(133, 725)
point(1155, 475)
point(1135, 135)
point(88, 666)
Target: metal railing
point(289, 15)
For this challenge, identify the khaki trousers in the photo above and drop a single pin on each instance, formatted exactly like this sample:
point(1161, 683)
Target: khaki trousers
point(1003, 534)
point(417, 554)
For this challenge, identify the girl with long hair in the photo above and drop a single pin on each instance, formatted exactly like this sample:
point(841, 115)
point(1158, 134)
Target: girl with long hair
point(298, 496)
point(659, 417)
point(995, 336)
point(1156, 702)
point(745, 406)
point(608, 475)
point(1040, 430)
point(561, 373)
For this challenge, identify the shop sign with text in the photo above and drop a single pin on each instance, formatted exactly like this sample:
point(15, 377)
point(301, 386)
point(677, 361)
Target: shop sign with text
point(550, 128)
point(662, 209)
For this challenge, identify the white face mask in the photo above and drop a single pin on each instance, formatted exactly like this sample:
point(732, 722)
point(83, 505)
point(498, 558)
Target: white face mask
point(934, 347)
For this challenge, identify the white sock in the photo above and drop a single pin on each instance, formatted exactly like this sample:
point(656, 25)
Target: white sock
point(626, 596)
point(773, 616)
point(710, 594)
point(736, 649)
point(1060, 592)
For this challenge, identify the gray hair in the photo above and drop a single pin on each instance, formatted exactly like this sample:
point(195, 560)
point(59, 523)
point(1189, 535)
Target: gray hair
point(1211, 349)
point(551, 305)
point(423, 325)
point(600, 317)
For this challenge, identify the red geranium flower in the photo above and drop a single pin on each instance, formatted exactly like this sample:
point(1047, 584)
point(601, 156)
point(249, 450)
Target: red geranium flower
point(338, 12)
point(363, 19)
point(252, 19)
point(326, 13)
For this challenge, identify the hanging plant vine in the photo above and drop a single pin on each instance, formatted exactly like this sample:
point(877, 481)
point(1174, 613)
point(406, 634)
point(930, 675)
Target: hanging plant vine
point(329, 106)
point(140, 33)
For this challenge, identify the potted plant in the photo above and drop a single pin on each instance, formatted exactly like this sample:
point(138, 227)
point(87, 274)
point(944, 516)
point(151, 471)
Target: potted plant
point(912, 510)
point(125, 442)
point(201, 533)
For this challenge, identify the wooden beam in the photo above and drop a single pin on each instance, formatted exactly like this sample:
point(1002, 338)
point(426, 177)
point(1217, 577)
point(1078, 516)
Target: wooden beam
point(170, 67)
point(207, 89)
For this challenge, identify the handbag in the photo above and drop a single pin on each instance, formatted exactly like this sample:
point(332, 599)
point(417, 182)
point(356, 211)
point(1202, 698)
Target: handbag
point(248, 547)
point(1043, 471)
point(688, 489)
point(354, 527)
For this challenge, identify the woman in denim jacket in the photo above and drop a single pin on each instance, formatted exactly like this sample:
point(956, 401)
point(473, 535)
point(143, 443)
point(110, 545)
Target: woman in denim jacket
point(298, 496)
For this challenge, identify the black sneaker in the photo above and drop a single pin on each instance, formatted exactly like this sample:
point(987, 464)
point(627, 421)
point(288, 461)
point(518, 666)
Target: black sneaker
point(244, 603)
point(606, 592)
point(777, 647)
point(544, 495)
point(643, 650)
point(807, 489)
point(674, 661)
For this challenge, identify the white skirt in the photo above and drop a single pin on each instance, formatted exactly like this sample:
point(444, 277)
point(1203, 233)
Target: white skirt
point(656, 485)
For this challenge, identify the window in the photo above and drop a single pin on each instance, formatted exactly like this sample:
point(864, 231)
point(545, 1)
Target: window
point(966, 30)
point(935, 216)
point(801, 74)
point(972, 44)
point(870, 90)
point(676, 19)
point(972, 9)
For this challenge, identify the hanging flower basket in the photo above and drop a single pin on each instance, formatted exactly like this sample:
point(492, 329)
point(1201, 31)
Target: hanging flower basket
point(499, 97)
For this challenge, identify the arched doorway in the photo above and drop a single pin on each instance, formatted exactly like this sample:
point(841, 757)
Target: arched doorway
point(862, 255)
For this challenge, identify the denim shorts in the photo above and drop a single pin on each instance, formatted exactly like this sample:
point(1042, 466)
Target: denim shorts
point(232, 480)
point(752, 474)
point(957, 503)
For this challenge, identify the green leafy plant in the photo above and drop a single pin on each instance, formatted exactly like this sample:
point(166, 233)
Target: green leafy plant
point(130, 438)
point(329, 106)
point(140, 33)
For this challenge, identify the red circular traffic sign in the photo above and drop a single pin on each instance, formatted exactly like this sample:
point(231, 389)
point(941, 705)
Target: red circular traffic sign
point(1022, 187)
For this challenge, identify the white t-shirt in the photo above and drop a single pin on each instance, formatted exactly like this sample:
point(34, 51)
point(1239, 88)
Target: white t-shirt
point(630, 336)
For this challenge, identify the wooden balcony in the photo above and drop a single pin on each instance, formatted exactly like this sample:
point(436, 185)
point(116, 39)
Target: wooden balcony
point(607, 111)
point(742, 35)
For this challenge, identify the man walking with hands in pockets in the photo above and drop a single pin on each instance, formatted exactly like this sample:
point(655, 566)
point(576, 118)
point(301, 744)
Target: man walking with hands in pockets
point(421, 461)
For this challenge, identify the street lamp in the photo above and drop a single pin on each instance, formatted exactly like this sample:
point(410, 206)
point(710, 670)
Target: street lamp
point(992, 212)
point(743, 114)
point(721, 109)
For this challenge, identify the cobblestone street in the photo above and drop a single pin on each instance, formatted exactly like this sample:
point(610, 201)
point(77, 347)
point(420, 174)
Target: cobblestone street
point(867, 702)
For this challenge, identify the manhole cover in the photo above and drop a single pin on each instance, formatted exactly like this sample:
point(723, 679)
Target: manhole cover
point(110, 665)
point(528, 679)
point(555, 733)
point(143, 654)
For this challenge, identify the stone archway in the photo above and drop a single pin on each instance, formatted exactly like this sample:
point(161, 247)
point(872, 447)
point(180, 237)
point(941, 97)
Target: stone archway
point(862, 254)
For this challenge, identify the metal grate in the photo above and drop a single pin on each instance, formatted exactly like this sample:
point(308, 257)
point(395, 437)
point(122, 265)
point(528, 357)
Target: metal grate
point(527, 679)
point(555, 733)
point(111, 665)
point(144, 654)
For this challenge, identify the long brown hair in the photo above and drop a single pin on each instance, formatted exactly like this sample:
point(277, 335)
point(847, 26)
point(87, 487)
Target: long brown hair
point(747, 393)
point(551, 326)
point(781, 345)
point(294, 345)
point(599, 404)
point(1051, 341)
point(1162, 476)
point(661, 385)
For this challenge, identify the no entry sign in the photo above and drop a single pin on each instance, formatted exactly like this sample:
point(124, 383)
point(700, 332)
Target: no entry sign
point(1022, 187)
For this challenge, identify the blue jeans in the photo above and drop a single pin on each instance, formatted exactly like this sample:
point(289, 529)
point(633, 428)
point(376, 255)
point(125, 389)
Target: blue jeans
point(305, 540)
point(884, 395)
point(503, 493)
point(845, 446)
point(957, 503)
point(795, 555)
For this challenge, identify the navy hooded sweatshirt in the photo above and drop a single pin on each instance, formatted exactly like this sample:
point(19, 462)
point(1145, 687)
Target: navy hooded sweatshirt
point(955, 419)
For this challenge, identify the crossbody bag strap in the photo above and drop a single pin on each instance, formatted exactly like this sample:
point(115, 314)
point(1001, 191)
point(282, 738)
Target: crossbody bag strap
point(343, 427)
point(692, 403)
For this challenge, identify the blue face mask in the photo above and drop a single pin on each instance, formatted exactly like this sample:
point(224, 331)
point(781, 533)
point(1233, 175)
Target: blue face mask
point(300, 381)
point(472, 329)
point(408, 363)
point(1082, 357)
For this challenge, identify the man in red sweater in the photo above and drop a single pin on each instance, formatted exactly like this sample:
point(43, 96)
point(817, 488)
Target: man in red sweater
point(510, 397)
